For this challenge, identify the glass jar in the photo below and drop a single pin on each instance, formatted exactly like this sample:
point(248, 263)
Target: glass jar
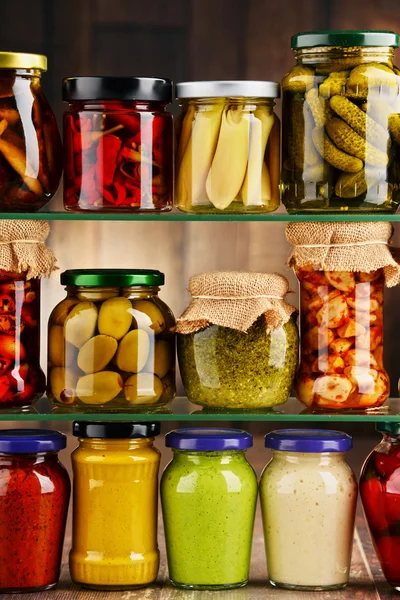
point(118, 144)
point(111, 347)
point(209, 496)
point(34, 497)
point(226, 368)
point(114, 539)
point(341, 333)
point(341, 123)
point(228, 147)
point(308, 500)
point(380, 495)
point(22, 381)
point(30, 144)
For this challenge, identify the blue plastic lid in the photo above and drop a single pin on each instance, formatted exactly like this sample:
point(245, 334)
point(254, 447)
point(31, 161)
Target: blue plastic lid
point(308, 440)
point(31, 441)
point(209, 439)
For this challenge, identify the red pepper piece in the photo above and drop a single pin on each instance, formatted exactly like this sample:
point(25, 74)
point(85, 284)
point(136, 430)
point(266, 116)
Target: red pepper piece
point(386, 463)
point(131, 121)
point(4, 387)
point(121, 193)
point(158, 126)
point(5, 365)
point(372, 496)
point(107, 154)
point(108, 197)
point(7, 304)
point(29, 316)
point(389, 550)
point(392, 497)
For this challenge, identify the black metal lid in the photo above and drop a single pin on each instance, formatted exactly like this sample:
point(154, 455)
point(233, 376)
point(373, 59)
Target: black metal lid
point(115, 430)
point(151, 89)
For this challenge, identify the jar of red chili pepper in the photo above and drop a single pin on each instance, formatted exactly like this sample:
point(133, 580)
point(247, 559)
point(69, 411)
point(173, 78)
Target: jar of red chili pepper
point(30, 144)
point(380, 495)
point(118, 144)
point(34, 497)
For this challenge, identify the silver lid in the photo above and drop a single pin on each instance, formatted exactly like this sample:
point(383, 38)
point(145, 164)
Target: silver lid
point(228, 89)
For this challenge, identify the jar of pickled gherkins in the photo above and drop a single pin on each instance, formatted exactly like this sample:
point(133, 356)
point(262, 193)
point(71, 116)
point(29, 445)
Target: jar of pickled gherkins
point(341, 123)
point(30, 144)
point(118, 144)
point(111, 345)
point(228, 147)
point(342, 269)
point(238, 341)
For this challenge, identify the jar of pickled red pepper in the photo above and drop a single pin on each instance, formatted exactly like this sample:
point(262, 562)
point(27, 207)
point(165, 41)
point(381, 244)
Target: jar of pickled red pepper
point(111, 345)
point(34, 498)
point(114, 540)
point(341, 123)
point(380, 495)
point(30, 144)
point(342, 269)
point(228, 150)
point(118, 144)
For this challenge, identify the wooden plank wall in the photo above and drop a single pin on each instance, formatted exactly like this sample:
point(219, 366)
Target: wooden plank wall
point(183, 39)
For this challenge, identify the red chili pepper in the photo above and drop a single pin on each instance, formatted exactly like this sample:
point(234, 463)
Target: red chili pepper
point(107, 154)
point(389, 550)
point(130, 121)
point(158, 126)
point(29, 315)
point(4, 387)
point(108, 197)
point(5, 364)
point(392, 497)
point(121, 193)
point(372, 496)
point(386, 463)
point(77, 143)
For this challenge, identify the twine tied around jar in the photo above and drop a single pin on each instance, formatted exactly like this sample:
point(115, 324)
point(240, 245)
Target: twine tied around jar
point(23, 248)
point(235, 300)
point(337, 246)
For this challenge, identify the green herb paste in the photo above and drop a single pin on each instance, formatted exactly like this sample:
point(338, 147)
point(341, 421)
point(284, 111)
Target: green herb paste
point(226, 368)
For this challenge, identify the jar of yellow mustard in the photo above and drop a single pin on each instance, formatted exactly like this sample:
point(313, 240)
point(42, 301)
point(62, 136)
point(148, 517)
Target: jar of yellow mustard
point(114, 541)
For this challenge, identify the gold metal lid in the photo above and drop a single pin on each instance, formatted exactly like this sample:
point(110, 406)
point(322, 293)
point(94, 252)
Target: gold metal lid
point(21, 60)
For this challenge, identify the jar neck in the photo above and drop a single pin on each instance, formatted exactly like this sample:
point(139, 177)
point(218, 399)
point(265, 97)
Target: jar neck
point(240, 102)
point(113, 445)
point(137, 291)
point(30, 73)
point(323, 54)
point(196, 458)
point(26, 460)
point(117, 105)
point(309, 458)
point(132, 291)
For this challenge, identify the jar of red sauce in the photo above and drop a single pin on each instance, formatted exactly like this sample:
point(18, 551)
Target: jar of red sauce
point(34, 497)
point(380, 494)
point(118, 144)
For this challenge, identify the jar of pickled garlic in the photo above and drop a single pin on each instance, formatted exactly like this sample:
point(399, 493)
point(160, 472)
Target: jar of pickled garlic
point(118, 144)
point(238, 341)
point(308, 499)
point(114, 537)
point(342, 278)
point(30, 143)
point(111, 345)
point(228, 149)
point(380, 495)
point(341, 123)
point(34, 498)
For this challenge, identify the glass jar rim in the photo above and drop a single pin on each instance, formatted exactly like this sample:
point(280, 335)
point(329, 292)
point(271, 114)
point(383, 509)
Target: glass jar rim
point(31, 441)
point(112, 277)
point(345, 38)
point(308, 440)
point(23, 60)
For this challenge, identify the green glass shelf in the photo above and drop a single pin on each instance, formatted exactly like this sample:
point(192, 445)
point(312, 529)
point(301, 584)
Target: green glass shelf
point(181, 409)
point(179, 216)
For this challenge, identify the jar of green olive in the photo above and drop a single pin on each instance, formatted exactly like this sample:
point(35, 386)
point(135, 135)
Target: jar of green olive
point(111, 345)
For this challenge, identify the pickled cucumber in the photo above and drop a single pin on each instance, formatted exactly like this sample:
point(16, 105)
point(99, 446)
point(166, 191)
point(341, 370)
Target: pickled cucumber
point(99, 388)
point(319, 107)
point(62, 310)
point(334, 84)
point(299, 79)
point(96, 353)
point(143, 388)
point(394, 127)
point(133, 351)
point(338, 159)
point(148, 316)
point(351, 185)
point(365, 77)
point(62, 384)
point(80, 324)
point(350, 142)
point(115, 317)
point(56, 346)
point(362, 124)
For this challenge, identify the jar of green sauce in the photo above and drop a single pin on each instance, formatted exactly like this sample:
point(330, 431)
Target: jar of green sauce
point(209, 495)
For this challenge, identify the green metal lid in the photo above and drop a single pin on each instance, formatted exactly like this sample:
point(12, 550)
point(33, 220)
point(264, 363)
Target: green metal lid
point(391, 427)
point(111, 277)
point(346, 38)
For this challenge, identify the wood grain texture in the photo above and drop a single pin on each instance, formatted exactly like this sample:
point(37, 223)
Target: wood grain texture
point(155, 13)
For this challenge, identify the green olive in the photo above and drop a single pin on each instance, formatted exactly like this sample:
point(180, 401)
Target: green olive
point(162, 360)
point(56, 346)
point(148, 316)
point(143, 388)
point(99, 388)
point(169, 387)
point(115, 317)
point(61, 311)
point(133, 351)
point(97, 353)
point(97, 295)
point(63, 384)
point(80, 324)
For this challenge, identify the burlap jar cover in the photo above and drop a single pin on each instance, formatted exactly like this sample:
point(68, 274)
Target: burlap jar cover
point(23, 249)
point(361, 247)
point(235, 300)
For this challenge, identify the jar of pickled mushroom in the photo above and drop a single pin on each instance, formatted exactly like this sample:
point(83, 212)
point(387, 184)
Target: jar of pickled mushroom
point(111, 345)
point(118, 144)
point(380, 495)
point(238, 341)
point(30, 144)
point(114, 533)
point(342, 269)
point(228, 149)
point(308, 499)
point(34, 498)
point(341, 123)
